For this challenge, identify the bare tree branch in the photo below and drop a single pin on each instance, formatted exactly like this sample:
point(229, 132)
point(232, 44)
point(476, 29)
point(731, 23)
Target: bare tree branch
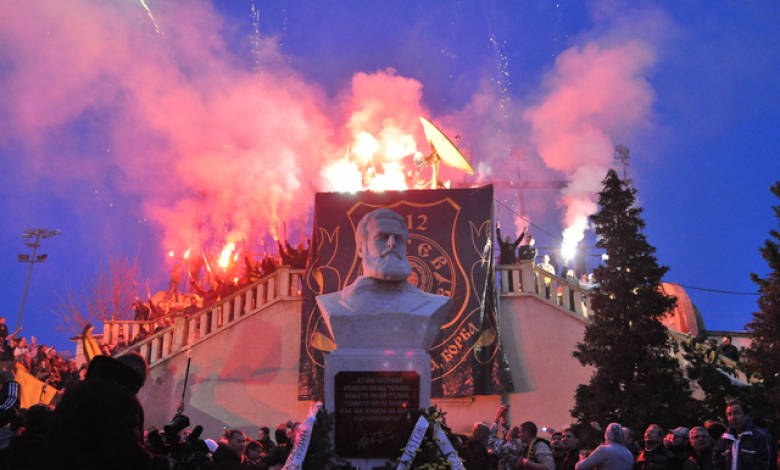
point(108, 295)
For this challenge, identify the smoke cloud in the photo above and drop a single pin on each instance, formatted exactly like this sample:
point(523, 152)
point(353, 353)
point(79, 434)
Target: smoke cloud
point(594, 94)
point(220, 152)
point(216, 152)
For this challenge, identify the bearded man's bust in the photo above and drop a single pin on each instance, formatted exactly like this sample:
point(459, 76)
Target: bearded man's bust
point(381, 309)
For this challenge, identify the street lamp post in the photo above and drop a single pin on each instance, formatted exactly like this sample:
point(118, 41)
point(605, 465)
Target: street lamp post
point(38, 233)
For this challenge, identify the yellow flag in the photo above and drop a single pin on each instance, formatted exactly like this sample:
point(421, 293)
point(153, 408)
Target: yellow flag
point(90, 346)
point(32, 391)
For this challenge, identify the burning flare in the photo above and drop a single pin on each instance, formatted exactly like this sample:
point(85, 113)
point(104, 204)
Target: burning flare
point(224, 259)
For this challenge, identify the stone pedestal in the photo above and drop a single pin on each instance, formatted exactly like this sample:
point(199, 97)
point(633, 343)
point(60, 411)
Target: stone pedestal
point(371, 391)
point(383, 327)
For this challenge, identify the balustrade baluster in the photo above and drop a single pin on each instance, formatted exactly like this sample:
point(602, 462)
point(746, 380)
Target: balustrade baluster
point(238, 305)
point(271, 292)
point(154, 353)
point(216, 319)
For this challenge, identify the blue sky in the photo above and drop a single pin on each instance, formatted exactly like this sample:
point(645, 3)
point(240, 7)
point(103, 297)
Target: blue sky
point(110, 129)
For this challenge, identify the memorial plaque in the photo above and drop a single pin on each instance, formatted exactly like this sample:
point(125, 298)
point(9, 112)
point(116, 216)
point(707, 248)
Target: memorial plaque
point(371, 412)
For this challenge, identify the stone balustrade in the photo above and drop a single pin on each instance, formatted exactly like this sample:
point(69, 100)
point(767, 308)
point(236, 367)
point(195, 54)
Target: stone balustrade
point(527, 279)
point(283, 284)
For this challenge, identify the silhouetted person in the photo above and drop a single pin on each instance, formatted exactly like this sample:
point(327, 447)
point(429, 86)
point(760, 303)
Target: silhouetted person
point(729, 350)
point(507, 247)
point(528, 252)
point(99, 424)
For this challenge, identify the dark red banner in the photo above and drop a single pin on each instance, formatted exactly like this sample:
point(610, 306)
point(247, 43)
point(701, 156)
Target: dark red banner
point(450, 253)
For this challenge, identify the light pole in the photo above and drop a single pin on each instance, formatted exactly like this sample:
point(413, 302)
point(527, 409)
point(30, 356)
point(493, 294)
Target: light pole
point(38, 233)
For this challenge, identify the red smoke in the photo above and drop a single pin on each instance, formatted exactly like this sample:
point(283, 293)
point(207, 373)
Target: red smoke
point(595, 94)
point(201, 139)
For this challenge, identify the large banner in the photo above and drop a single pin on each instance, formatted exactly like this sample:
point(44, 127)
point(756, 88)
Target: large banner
point(450, 251)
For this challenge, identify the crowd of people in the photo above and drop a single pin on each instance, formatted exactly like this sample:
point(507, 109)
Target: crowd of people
point(98, 423)
point(511, 252)
point(214, 284)
point(41, 361)
point(234, 450)
point(740, 445)
point(206, 289)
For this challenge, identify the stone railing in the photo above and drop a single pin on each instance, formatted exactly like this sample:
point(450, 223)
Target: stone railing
point(130, 330)
point(284, 284)
point(526, 278)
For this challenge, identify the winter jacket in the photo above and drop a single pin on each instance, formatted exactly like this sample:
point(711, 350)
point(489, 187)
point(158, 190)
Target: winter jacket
point(756, 449)
point(99, 423)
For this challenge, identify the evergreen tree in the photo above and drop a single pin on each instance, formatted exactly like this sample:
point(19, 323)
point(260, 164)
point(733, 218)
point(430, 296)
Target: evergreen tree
point(762, 358)
point(636, 380)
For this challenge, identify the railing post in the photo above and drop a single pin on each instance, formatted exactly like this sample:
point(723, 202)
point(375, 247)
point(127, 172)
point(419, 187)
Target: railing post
point(514, 272)
point(154, 354)
point(283, 276)
point(540, 284)
point(166, 345)
point(272, 283)
point(238, 306)
point(504, 279)
point(527, 273)
point(195, 328)
point(145, 352)
point(249, 296)
point(216, 317)
point(107, 332)
point(180, 331)
point(228, 313)
point(295, 283)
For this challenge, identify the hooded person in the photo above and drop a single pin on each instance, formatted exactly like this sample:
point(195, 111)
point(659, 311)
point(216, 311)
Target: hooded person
point(99, 423)
point(612, 455)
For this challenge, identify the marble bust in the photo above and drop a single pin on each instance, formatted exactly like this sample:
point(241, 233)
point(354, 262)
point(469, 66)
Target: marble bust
point(381, 309)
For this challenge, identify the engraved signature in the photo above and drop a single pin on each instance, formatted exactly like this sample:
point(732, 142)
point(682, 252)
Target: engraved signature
point(375, 438)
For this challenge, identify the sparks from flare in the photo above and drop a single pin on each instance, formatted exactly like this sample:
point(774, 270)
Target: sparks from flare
point(149, 12)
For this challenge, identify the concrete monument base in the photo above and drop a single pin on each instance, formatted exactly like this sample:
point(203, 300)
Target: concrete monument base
point(371, 392)
point(383, 327)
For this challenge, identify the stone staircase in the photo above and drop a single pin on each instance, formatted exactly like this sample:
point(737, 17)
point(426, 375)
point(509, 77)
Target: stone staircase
point(187, 331)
